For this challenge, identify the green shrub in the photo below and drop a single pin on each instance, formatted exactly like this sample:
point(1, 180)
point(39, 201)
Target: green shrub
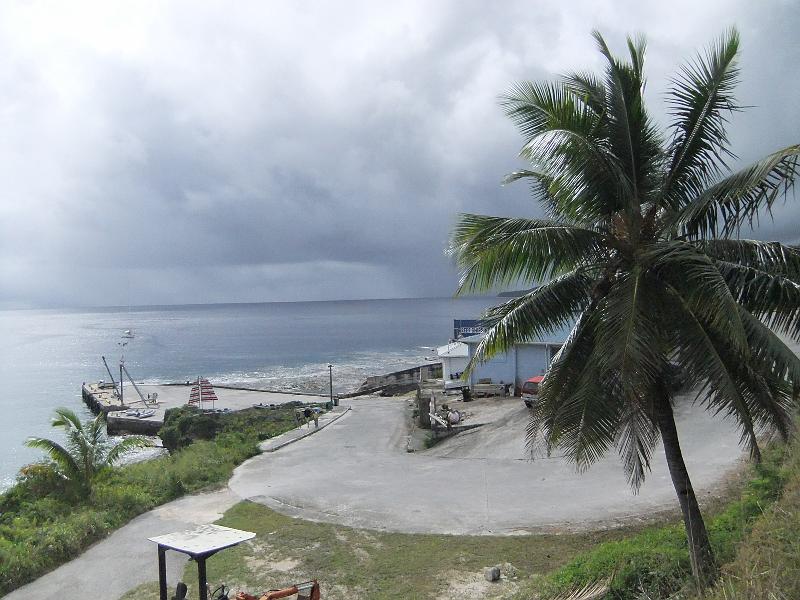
point(655, 563)
point(187, 424)
point(766, 562)
point(43, 524)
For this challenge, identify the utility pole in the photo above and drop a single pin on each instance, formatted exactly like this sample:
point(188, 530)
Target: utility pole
point(330, 377)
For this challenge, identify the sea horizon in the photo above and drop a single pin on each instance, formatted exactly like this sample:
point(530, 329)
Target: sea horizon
point(49, 352)
point(116, 307)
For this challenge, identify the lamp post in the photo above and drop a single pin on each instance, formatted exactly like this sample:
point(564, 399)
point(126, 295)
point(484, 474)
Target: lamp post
point(330, 379)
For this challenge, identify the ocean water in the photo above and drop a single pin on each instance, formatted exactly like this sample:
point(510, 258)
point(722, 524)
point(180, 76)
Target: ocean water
point(45, 355)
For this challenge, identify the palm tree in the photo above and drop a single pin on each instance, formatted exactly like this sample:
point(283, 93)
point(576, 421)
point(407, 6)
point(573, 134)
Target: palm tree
point(642, 256)
point(87, 450)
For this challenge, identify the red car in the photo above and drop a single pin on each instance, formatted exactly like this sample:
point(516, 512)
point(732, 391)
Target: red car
point(530, 390)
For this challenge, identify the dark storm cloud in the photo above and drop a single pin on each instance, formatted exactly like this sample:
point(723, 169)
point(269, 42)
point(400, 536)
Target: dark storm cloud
point(187, 153)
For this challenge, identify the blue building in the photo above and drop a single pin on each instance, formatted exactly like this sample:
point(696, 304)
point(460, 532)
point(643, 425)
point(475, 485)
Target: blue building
point(522, 362)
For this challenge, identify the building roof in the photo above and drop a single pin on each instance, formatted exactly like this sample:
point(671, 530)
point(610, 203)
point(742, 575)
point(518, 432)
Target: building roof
point(555, 337)
point(453, 350)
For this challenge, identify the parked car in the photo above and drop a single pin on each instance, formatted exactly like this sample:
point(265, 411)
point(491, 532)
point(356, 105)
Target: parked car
point(530, 390)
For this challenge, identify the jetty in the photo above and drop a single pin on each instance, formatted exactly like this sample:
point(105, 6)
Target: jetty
point(101, 396)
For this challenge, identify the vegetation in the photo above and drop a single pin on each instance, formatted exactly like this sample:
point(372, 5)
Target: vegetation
point(766, 564)
point(44, 523)
point(187, 424)
point(356, 563)
point(87, 452)
point(655, 563)
point(641, 256)
point(650, 562)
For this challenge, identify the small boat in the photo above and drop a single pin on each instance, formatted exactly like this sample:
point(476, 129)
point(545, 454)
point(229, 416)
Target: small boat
point(128, 334)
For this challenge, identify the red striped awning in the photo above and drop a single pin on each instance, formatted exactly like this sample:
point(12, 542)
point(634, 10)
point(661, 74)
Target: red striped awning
point(208, 393)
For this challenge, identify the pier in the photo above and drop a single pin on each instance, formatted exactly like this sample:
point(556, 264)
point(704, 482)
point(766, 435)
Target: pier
point(102, 397)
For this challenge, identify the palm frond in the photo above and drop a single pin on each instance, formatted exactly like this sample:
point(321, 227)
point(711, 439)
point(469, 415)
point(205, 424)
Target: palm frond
point(771, 257)
point(59, 455)
point(767, 398)
point(495, 251)
point(129, 444)
point(628, 333)
point(596, 590)
point(630, 132)
point(636, 438)
point(738, 199)
point(700, 356)
point(588, 89)
point(587, 421)
point(769, 352)
point(701, 285)
point(544, 310)
point(581, 417)
point(583, 179)
point(563, 375)
point(66, 419)
point(538, 108)
point(701, 98)
point(773, 298)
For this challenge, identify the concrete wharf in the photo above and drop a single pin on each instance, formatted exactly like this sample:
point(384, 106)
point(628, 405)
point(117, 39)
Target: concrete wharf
point(102, 397)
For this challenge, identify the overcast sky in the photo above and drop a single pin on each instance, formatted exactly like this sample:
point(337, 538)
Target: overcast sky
point(155, 152)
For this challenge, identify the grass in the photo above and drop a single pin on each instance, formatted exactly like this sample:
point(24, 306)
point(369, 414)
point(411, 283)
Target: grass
point(355, 563)
point(655, 562)
point(767, 562)
point(647, 563)
point(756, 534)
point(43, 525)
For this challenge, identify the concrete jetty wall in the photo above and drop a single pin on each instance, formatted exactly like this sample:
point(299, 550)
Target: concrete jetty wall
point(102, 397)
point(398, 382)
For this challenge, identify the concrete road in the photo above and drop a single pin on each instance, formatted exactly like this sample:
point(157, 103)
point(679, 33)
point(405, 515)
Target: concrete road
point(357, 473)
point(126, 559)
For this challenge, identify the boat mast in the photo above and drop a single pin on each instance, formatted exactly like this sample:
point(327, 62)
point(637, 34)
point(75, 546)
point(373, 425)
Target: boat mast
point(135, 387)
point(111, 375)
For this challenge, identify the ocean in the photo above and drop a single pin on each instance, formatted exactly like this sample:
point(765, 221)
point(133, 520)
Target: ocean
point(45, 355)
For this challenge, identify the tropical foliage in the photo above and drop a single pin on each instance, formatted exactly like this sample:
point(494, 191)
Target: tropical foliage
point(43, 524)
point(642, 256)
point(87, 450)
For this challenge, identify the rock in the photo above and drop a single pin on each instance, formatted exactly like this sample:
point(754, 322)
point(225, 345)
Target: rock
point(492, 573)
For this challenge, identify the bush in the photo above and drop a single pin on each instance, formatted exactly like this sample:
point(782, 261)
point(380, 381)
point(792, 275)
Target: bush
point(766, 563)
point(655, 563)
point(43, 524)
point(185, 425)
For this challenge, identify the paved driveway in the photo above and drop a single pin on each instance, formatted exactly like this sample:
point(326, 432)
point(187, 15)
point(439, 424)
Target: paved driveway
point(356, 472)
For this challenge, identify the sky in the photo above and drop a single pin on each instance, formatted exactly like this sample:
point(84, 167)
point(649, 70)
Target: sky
point(194, 152)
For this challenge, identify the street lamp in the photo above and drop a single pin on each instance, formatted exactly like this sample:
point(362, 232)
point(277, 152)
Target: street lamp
point(330, 379)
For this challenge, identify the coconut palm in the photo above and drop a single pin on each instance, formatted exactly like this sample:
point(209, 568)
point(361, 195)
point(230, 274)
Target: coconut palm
point(642, 257)
point(87, 450)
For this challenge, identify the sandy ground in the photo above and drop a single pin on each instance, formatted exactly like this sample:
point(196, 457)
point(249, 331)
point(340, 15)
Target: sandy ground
point(479, 482)
point(171, 396)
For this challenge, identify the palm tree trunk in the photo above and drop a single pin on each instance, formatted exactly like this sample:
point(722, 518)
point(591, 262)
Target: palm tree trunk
point(704, 567)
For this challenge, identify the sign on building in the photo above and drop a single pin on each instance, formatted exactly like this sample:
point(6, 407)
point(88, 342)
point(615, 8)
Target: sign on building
point(467, 327)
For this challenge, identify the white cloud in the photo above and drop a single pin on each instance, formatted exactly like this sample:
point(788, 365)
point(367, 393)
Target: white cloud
point(289, 150)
